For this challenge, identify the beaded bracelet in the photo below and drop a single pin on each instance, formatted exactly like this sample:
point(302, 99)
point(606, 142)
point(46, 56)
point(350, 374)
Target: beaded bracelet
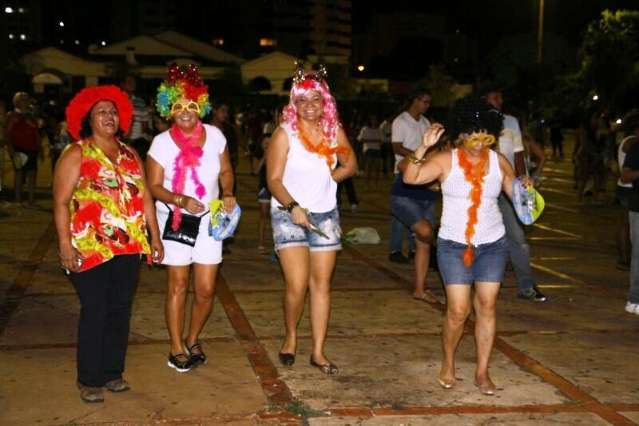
point(413, 159)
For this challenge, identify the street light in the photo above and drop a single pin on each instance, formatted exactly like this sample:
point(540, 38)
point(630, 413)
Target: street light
point(361, 68)
point(595, 97)
point(619, 121)
point(61, 24)
point(8, 10)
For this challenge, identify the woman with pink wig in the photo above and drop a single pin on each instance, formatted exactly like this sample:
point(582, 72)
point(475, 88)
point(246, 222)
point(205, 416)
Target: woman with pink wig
point(306, 158)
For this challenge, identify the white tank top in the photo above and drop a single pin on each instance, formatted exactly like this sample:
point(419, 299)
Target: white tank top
point(307, 177)
point(456, 201)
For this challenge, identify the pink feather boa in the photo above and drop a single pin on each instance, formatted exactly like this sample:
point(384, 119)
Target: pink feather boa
point(188, 158)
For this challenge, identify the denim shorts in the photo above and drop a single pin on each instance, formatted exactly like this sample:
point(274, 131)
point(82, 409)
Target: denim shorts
point(287, 234)
point(488, 266)
point(409, 211)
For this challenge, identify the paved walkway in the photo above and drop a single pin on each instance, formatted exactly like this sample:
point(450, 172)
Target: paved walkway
point(569, 361)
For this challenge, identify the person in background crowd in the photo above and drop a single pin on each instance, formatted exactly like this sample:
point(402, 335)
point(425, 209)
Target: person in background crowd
point(588, 157)
point(388, 158)
point(413, 206)
point(371, 137)
point(3, 122)
point(23, 142)
point(630, 174)
point(263, 194)
point(624, 193)
point(220, 119)
point(510, 145)
point(347, 184)
point(140, 134)
point(556, 138)
point(534, 156)
point(61, 139)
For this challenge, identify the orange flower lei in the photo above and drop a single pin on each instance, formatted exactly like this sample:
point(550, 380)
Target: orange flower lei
point(322, 149)
point(474, 174)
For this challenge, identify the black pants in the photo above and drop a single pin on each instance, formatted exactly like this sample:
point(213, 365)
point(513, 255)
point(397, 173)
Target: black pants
point(105, 293)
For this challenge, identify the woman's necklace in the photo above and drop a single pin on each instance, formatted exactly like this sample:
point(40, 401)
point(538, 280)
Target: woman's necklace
point(474, 174)
point(322, 148)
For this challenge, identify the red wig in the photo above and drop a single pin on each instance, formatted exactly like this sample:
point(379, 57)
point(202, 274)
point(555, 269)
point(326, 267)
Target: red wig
point(82, 103)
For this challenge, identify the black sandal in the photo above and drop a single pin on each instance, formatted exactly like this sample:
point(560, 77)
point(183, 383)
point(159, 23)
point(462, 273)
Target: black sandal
point(328, 369)
point(180, 362)
point(196, 358)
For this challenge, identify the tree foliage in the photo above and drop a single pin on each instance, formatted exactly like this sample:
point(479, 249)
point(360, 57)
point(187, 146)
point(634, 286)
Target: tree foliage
point(610, 58)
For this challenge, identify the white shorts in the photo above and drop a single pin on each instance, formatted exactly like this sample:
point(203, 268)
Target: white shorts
point(207, 251)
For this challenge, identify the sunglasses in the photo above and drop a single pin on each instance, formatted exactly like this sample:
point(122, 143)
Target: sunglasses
point(186, 106)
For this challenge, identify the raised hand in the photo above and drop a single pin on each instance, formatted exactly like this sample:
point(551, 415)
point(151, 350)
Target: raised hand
point(432, 135)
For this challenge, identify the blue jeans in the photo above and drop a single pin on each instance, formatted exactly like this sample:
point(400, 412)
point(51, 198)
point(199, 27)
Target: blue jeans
point(633, 294)
point(518, 248)
point(397, 236)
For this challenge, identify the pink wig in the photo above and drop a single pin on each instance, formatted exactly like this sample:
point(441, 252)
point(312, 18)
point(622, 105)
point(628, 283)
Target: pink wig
point(329, 119)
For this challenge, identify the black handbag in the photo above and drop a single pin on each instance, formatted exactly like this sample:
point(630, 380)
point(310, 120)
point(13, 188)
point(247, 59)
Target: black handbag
point(186, 232)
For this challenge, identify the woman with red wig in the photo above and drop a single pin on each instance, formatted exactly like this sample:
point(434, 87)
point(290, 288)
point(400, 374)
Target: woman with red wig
point(184, 166)
point(307, 156)
point(103, 213)
point(471, 247)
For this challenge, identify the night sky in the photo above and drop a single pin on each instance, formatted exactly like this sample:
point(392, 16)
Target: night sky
point(487, 20)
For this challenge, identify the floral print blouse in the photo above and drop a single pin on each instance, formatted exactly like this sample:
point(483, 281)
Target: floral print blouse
point(107, 206)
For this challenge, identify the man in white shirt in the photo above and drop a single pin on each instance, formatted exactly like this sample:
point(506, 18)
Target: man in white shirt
point(511, 146)
point(412, 206)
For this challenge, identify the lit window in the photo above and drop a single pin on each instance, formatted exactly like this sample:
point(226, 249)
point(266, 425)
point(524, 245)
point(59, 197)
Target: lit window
point(264, 42)
point(218, 42)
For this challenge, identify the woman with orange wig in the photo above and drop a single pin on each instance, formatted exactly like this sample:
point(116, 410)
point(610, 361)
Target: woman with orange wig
point(471, 248)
